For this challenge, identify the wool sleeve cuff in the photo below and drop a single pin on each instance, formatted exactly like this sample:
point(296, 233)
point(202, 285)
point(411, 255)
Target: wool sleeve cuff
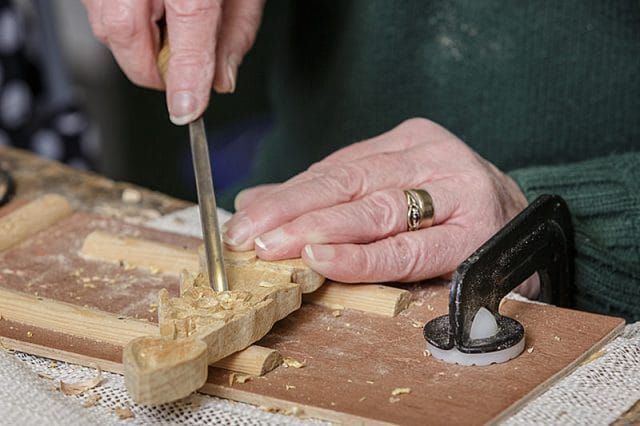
point(603, 195)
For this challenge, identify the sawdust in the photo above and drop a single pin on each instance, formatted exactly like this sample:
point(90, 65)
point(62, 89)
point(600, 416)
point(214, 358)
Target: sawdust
point(416, 324)
point(83, 386)
point(290, 362)
point(400, 391)
point(123, 413)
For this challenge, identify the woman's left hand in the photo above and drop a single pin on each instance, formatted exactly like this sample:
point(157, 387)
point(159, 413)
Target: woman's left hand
point(346, 216)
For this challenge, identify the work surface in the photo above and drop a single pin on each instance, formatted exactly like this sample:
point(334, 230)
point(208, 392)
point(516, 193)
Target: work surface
point(350, 389)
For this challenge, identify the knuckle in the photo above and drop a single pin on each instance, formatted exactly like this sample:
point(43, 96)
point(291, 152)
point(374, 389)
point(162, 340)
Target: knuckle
point(382, 210)
point(346, 179)
point(119, 21)
point(402, 257)
point(191, 8)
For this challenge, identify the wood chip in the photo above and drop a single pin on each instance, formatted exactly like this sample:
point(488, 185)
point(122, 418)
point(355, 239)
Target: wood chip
point(53, 364)
point(416, 324)
point(290, 362)
point(426, 353)
point(29, 334)
point(400, 391)
point(123, 412)
point(530, 349)
point(556, 338)
point(394, 399)
point(239, 378)
point(287, 387)
point(362, 399)
point(80, 387)
point(337, 313)
point(91, 400)
point(131, 196)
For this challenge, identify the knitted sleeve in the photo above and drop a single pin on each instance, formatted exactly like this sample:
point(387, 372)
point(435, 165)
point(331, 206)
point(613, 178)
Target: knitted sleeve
point(603, 195)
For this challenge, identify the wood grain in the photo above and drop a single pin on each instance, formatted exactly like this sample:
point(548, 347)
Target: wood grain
point(372, 298)
point(32, 218)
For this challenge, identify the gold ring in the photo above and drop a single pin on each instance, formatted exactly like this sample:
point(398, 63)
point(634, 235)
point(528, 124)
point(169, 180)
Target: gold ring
point(419, 209)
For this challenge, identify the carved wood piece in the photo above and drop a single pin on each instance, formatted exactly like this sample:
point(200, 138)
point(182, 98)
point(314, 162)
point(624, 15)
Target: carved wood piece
point(223, 322)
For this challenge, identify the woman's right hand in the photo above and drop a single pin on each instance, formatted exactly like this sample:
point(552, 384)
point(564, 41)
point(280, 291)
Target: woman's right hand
point(209, 38)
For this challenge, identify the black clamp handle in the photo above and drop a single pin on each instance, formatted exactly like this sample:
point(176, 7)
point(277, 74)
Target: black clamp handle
point(539, 239)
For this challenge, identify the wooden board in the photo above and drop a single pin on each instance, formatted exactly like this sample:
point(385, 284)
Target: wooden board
point(353, 362)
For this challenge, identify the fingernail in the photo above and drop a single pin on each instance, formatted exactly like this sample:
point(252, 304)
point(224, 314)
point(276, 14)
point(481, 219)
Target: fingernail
point(271, 240)
point(231, 75)
point(320, 252)
point(183, 108)
point(239, 232)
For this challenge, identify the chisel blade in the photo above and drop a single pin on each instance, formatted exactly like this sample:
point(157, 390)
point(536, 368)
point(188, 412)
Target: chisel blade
point(207, 206)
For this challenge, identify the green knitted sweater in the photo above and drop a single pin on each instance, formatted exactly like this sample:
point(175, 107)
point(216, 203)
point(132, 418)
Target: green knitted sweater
point(547, 90)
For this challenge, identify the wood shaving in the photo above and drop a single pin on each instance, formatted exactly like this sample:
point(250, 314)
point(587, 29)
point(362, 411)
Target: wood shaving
point(593, 357)
point(362, 399)
point(91, 400)
point(266, 284)
point(123, 412)
point(426, 353)
point(416, 324)
point(239, 378)
point(337, 313)
point(29, 334)
point(370, 382)
point(293, 411)
point(394, 399)
point(45, 376)
point(290, 362)
point(80, 387)
point(53, 364)
point(417, 303)
point(530, 349)
point(287, 387)
point(556, 338)
point(400, 391)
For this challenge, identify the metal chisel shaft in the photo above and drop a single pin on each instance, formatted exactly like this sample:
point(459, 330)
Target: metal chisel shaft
point(207, 202)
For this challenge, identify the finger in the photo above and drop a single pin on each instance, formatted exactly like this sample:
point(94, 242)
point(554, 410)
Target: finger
point(406, 135)
point(239, 25)
point(192, 27)
point(249, 195)
point(409, 256)
point(94, 10)
point(132, 35)
point(409, 135)
point(371, 218)
point(340, 184)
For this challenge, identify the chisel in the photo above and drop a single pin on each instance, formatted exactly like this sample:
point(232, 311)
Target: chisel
point(204, 187)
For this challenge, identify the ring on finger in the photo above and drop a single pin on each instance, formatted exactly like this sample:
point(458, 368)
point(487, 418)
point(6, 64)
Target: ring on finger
point(419, 209)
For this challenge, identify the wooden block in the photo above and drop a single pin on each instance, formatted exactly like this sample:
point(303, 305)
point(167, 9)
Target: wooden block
point(158, 257)
point(222, 322)
point(32, 218)
point(371, 298)
point(254, 360)
point(139, 253)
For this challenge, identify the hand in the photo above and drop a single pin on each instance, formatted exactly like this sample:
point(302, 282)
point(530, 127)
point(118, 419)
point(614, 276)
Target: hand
point(208, 40)
point(347, 215)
